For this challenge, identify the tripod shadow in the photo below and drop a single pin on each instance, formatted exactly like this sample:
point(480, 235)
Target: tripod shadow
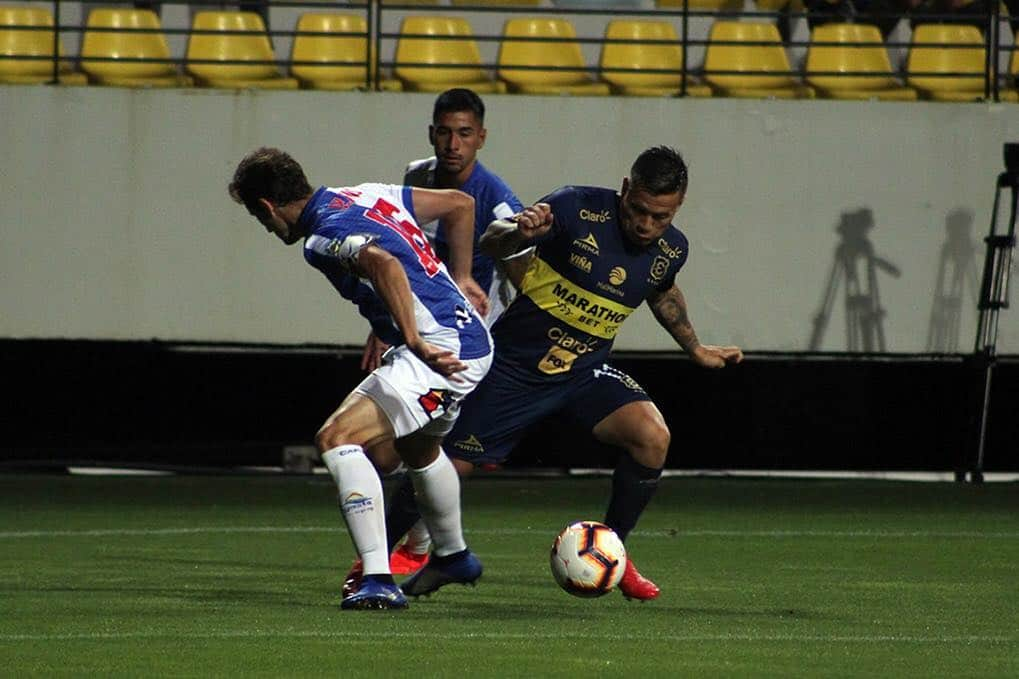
point(956, 271)
point(856, 263)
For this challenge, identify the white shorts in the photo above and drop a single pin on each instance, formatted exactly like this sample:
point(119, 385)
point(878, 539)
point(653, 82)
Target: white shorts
point(416, 398)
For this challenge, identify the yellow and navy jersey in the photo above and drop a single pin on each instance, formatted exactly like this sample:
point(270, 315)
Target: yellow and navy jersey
point(585, 279)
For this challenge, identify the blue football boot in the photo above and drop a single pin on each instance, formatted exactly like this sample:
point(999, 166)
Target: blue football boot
point(462, 567)
point(375, 595)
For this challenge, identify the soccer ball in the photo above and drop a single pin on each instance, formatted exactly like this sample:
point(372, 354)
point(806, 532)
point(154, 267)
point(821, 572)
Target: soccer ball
point(588, 559)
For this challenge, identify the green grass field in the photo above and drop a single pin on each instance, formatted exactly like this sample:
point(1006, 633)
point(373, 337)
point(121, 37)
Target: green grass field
point(240, 575)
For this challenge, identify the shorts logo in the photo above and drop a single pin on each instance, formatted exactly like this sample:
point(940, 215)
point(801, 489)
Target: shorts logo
point(587, 244)
point(617, 276)
point(356, 503)
point(436, 402)
point(607, 370)
point(659, 267)
point(471, 443)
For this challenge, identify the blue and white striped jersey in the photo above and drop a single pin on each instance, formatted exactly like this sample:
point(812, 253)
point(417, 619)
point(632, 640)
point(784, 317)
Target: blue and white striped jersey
point(341, 221)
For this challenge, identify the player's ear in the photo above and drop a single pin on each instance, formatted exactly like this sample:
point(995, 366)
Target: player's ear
point(431, 135)
point(265, 207)
point(626, 186)
point(482, 133)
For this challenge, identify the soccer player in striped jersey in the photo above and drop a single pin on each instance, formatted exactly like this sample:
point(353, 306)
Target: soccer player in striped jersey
point(365, 239)
point(456, 134)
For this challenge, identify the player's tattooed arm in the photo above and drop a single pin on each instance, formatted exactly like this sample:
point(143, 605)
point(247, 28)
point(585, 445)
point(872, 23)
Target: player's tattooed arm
point(669, 308)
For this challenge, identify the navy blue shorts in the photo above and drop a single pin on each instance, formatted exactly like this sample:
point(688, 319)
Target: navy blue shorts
point(497, 414)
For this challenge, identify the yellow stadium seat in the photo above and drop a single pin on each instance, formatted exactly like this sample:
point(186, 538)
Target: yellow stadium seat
point(340, 60)
point(516, 50)
point(460, 58)
point(927, 55)
point(130, 50)
point(20, 37)
point(1013, 95)
point(220, 37)
point(702, 5)
point(647, 58)
point(498, 3)
point(760, 71)
point(827, 63)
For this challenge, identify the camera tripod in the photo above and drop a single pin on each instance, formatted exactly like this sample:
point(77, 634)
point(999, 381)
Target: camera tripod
point(993, 298)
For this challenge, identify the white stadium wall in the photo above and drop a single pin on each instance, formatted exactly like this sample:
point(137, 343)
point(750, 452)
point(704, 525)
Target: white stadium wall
point(115, 222)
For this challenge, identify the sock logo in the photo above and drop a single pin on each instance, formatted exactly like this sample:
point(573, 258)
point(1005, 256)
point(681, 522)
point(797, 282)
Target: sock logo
point(436, 402)
point(356, 503)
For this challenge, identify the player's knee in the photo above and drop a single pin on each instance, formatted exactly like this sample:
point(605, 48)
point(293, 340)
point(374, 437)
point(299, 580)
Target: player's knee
point(655, 444)
point(329, 437)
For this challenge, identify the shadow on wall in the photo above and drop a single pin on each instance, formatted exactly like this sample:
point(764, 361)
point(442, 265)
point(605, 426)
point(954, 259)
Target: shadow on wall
point(855, 267)
point(957, 273)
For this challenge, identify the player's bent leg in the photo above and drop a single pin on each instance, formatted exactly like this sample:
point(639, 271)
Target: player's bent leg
point(341, 440)
point(639, 429)
point(437, 488)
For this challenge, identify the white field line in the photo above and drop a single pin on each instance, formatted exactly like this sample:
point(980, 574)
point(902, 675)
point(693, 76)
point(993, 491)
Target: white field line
point(383, 636)
point(778, 534)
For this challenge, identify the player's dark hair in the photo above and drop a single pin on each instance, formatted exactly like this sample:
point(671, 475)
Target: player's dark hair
point(659, 170)
point(459, 99)
point(271, 174)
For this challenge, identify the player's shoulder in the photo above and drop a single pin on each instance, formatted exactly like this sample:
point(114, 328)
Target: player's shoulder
point(421, 172)
point(581, 195)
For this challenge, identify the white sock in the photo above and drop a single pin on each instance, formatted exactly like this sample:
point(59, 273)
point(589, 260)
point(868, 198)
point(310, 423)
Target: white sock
point(419, 540)
point(437, 487)
point(361, 504)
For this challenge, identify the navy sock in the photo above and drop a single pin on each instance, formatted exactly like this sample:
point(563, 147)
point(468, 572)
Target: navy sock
point(402, 512)
point(633, 486)
point(384, 578)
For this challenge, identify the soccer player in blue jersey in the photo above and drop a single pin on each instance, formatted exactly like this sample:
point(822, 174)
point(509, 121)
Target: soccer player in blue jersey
point(365, 239)
point(456, 134)
point(599, 255)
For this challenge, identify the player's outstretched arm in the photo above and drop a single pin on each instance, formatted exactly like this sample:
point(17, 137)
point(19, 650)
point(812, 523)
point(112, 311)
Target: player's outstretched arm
point(391, 284)
point(455, 209)
point(504, 237)
point(669, 309)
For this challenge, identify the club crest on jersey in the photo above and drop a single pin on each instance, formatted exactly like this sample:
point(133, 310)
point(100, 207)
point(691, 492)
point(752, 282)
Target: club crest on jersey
point(341, 202)
point(587, 244)
point(659, 266)
point(436, 402)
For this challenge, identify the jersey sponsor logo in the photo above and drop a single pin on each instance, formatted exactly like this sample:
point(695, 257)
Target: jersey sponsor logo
point(607, 370)
point(587, 244)
point(356, 503)
point(659, 267)
point(557, 360)
point(581, 262)
point(590, 216)
point(570, 303)
point(436, 402)
point(617, 276)
point(612, 290)
point(470, 444)
point(567, 341)
point(670, 252)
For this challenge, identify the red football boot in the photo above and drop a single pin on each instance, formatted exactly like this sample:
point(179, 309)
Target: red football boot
point(405, 562)
point(352, 583)
point(636, 586)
